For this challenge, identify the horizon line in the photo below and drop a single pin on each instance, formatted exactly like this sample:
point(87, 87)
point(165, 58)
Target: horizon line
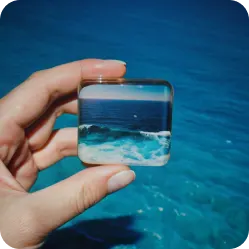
point(151, 100)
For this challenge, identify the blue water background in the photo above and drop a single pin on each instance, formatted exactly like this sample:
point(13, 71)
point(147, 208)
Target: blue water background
point(200, 200)
point(148, 116)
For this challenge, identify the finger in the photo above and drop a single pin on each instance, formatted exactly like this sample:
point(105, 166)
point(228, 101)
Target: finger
point(65, 200)
point(7, 181)
point(62, 143)
point(26, 174)
point(39, 133)
point(31, 99)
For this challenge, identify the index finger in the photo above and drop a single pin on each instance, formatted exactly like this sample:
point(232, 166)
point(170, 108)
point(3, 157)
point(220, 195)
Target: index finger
point(30, 100)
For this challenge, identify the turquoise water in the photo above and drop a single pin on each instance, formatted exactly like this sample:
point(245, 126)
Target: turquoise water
point(106, 145)
point(202, 49)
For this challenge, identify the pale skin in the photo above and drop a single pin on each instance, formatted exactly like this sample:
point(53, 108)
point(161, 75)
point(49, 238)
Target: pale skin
point(28, 145)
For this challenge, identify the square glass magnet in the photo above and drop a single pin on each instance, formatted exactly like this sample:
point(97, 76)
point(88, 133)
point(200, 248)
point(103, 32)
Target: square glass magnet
point(124, 121)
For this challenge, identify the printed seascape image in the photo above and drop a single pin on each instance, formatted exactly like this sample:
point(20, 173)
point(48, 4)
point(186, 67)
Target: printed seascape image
point(124, 123)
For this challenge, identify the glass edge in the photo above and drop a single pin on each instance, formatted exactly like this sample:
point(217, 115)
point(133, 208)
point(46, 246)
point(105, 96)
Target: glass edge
point(94, 81)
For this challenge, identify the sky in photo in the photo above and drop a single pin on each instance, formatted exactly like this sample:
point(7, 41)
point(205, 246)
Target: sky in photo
point(126, 92)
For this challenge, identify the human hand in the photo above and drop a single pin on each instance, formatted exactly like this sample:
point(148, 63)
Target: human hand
point(28, 145)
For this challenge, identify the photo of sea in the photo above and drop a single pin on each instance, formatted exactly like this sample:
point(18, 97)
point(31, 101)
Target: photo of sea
point(128, 124)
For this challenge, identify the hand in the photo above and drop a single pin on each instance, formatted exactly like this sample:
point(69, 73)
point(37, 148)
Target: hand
point(28, 145)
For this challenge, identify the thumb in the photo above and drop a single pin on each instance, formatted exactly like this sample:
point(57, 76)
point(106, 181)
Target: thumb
point(63, 201)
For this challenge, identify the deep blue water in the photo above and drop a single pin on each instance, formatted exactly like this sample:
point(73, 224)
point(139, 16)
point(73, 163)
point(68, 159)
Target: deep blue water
point(129, 132)
point(150, 116)
point(201, 47)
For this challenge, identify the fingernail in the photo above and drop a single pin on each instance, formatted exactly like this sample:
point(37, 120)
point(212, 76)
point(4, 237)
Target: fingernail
point(120, 180)
point(103, 63)
point(99, 65)
point(117, 61)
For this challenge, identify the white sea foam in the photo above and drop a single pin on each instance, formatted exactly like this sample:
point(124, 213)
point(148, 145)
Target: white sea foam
point(156, 134)
point(111, 146)
point(144, 133)
point(81, 127)
point(140, 211)
point(110, 154)
point(158, 236)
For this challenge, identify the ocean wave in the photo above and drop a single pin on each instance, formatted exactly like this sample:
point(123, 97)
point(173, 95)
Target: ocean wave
point(96, 128)
point(102, 144)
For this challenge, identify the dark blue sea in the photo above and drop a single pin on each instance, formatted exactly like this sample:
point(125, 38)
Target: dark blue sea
point(131, 132)
point(200, 200)
point(136, 115)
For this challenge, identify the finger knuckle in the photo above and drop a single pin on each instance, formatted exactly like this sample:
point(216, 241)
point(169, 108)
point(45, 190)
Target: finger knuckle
point(60, 149)
point(86, 197)
point(36, 74)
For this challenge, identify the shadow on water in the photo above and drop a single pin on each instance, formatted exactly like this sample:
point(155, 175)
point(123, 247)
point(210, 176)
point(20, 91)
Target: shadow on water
point(91, 234)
